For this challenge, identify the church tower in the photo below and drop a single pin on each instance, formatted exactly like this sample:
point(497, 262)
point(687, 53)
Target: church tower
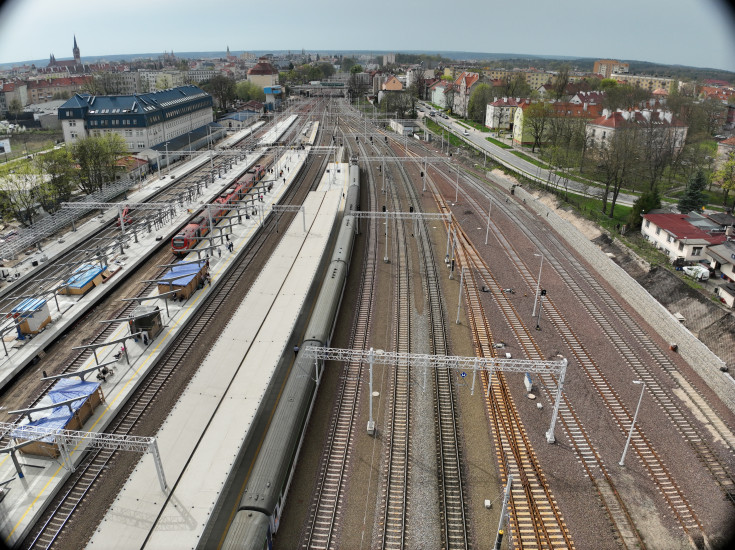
point(75, 51)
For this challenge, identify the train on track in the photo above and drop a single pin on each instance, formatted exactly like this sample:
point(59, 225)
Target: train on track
point(260, 507)
point(186, 239)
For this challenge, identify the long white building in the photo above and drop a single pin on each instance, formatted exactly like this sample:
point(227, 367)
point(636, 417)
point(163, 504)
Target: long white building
point(142, 120)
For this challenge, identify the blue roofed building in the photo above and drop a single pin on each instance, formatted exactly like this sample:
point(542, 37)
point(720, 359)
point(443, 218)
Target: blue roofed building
point(142, 120)
point(273, 97)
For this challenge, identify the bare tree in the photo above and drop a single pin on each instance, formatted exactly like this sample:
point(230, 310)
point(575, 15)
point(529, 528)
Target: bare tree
point(560, 83)
point(618, 159)
point(536, 118)
point(18, 193)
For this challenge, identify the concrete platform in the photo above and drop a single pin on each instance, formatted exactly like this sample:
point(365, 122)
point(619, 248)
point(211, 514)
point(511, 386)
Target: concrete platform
point(26, 498)
point(203, 435)
point(71, 308)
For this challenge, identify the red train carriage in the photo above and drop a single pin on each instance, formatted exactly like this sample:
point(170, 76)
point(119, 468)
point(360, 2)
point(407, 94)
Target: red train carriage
point(198, 227)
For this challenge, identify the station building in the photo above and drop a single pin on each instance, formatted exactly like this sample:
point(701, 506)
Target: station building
point(142, 120)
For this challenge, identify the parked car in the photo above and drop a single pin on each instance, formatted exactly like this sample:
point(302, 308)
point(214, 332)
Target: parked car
point(466, 133)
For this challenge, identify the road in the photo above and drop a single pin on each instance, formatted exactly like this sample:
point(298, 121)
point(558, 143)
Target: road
point(514, 162)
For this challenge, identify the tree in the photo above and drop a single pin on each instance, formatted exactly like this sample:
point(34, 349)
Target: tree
point(650, 200)
point(58, 183)
point(223, 90)
point(624, 96)
point(97, 159)
point(536, 118)
point(725, 178)
point(694, 198)
point(449, 93)
point(327, 69)
point(356, 69)
point(356, 86)
point(248, 91)
point(513, 86)
point(477, 107)
point(18, 191)
point(559, 86)
point(618, 161)
point(347, 63)
point(15, 107)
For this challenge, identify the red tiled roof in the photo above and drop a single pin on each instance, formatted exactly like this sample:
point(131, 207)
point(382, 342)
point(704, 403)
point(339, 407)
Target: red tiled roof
point(469, 78)
point(679, 226)
point(728, 141)
point(577, 110)
point(618, 120)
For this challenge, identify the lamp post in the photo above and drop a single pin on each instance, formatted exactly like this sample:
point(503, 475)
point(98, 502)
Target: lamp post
point(635, 416)
point(168, 161)
point(538, 284)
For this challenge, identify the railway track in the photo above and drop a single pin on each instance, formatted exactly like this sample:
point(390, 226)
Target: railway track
point(395, 490)
point(587, 455)
point(90, 472)
point(452, 509)
point(535, 517)
point(324, 517)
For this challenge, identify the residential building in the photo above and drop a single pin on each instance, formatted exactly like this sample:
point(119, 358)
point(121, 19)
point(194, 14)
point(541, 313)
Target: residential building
point(671, 131)
point(462, 91)
point(609, 67)
point(195, 76)
point(389, 59)
point(591, 98)
point(723, 258)
point(437, 93)
point(500, 114)
point(716, 92)
point(684, 236)
point(392, 84)
point(150, 81)
point(646, 82)
point(142, 120)
point(263, 74)
point(11, 91)
point(40, 91)
point(521, 132)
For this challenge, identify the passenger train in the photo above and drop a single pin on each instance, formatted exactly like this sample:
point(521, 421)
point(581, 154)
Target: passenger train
point(198, 227)
point(260, 507)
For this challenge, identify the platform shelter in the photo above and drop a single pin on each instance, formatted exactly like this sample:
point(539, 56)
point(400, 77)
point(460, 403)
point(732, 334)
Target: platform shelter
point(84, 278)
point(31, 315)
point(184, 278)
point(77, 401)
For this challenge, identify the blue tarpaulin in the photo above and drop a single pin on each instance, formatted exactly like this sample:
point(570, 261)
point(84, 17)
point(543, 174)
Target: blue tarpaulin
point(58, 417)
point(182, 274)
point(29, 305)
point(82, 275)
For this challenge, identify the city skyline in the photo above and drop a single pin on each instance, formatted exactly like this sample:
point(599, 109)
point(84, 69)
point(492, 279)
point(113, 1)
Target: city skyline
point(684, 32)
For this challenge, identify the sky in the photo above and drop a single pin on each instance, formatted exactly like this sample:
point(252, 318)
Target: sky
point(699, 33)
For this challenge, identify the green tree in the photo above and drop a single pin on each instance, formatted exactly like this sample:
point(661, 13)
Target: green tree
point(725, 178)
point(650, 200)
point(356, 69)
point(477, 107)
point(618, 161)
point(694, 198)
point(249, 91)
point(607, 84)
point(97, 159)
point(58, 184)
point(18, 192)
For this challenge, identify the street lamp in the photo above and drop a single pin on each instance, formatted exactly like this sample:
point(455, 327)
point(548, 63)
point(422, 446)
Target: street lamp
point(168, 161)
point(635, 416)
point(538, 284)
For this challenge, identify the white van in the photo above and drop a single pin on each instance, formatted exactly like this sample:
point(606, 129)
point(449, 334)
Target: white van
point(466, 133)
point(697, 272)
